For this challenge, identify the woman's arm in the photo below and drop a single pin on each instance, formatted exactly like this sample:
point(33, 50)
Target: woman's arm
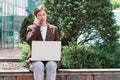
point(31, 34)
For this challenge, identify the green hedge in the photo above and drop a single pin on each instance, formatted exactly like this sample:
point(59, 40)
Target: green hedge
point(79, 56)
point(24, 52)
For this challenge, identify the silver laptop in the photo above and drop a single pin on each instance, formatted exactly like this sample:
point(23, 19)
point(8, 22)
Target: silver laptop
point(46, 50)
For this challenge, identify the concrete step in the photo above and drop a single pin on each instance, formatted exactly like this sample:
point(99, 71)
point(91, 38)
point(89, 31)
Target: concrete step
point(9, 60)
point(10, 55)
point(11, 66)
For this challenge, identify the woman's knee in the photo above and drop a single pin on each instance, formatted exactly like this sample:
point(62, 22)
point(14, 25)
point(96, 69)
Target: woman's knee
point(51, 65)
point(38, 65)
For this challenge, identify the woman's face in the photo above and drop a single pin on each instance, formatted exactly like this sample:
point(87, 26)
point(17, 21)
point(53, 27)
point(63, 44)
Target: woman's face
point(42, 16)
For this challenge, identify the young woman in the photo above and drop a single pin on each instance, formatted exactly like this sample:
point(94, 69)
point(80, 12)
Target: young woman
point(41, 30)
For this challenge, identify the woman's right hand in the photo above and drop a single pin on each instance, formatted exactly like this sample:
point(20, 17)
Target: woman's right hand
point(28, 61)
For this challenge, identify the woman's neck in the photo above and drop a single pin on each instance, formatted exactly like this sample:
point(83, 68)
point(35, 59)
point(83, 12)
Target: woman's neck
point(43, 24)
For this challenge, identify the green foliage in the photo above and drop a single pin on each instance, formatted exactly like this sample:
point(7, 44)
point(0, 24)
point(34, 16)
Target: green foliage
point(26, 22)
point(76, 18)
point(66, 15)
point(80, 56)
point(24, 52)
point(92, 18)
point(115, 4)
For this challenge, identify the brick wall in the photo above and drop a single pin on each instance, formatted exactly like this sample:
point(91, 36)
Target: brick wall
point(66, 74)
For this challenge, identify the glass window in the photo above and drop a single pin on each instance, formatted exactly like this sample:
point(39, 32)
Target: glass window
point(10, 23)
point(4, 7)
point(0, 36)
point(10, 34)
point(20, 11)
point(0, 9)
point(4, 22)
point(11, 2)
point(21, 3)
point(0, 27)
point(10, 10)
point(10, 39)
point(31, 5)
point(0, 20)
point(0, 39)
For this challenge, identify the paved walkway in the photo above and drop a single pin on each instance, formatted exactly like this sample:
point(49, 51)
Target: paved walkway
point(9, 53)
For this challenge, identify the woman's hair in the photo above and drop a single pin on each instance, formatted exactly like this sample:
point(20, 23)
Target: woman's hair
point(39, 8)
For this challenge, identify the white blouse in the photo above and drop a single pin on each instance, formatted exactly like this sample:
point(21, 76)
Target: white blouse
point(43, 31)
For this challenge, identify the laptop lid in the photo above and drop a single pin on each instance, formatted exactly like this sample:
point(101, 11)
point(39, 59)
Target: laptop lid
point(46, 50)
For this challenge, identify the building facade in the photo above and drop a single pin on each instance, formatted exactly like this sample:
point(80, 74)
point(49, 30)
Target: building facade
point(12, 13)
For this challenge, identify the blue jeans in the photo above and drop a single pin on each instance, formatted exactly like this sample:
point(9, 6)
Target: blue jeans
point(38, 68)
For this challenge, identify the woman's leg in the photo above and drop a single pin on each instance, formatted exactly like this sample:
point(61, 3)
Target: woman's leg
point(51, 68)
point(38, 70)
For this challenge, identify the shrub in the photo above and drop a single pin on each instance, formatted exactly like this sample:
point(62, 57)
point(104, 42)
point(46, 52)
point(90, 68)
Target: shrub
point(24, 52)
point(80, 56)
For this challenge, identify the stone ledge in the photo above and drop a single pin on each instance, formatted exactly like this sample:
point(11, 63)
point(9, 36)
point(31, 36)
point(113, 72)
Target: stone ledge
point(62, 72)
point(15, 72)
point(65, 74)
point(90, 70)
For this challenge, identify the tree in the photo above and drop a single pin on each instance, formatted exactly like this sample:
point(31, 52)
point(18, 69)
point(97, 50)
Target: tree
point(100, 24)
point(66, 15)
point(91, 19)
point(26, 22)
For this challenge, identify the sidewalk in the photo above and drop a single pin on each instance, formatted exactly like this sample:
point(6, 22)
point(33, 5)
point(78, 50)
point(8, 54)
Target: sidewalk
point(9, 54)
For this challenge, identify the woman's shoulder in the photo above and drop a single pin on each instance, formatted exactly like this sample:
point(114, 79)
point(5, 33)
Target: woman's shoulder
point(52, 26)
